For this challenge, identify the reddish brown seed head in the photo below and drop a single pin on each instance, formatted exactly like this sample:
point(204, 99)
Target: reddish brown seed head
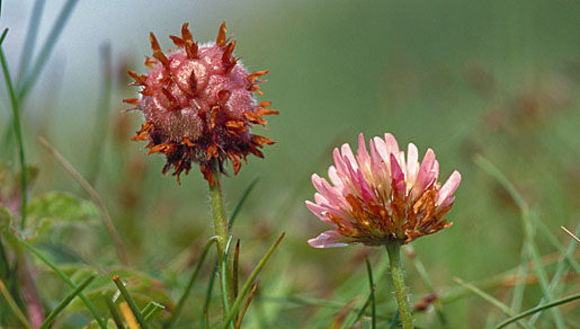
point(199, 105)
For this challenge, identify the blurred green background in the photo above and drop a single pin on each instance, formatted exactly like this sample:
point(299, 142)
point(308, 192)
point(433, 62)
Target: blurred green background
point(496, 78)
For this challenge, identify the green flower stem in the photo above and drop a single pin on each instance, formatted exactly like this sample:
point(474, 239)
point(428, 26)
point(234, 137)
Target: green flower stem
point(220, 225)
point(394, 251)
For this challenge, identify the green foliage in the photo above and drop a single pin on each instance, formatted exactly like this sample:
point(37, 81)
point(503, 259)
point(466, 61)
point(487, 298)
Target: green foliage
point(59, 206)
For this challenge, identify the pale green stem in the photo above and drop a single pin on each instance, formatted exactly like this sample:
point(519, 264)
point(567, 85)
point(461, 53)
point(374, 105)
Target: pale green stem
point(220, 224)
point(396, 269)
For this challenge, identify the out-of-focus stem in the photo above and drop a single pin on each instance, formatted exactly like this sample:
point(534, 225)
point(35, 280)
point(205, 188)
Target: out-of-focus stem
point(396, 269)
point(220, 224)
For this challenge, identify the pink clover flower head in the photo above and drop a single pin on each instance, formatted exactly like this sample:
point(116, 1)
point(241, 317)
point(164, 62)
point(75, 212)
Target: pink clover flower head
point(379, 195)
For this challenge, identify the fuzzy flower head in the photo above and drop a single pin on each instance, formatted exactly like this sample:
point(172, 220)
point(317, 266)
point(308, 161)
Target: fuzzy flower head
point(199, 105)
point(380, 196)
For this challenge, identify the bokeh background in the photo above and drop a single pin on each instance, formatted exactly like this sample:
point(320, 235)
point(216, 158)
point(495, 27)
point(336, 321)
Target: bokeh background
point(495, 78)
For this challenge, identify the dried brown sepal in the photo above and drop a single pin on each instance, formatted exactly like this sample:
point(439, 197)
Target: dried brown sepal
point(221, 37)
point(191, 47)
point(254, 76)
point(157, 53)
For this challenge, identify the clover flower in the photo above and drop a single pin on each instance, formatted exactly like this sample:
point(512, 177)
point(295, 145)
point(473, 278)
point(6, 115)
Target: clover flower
point(380, 196)
point(199, 105)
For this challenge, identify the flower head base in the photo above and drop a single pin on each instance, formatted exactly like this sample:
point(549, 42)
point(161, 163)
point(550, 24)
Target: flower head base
point(199, 105)
point(379, 196)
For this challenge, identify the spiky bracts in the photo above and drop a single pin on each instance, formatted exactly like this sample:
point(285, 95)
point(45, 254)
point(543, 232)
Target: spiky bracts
point(379, 197)
point(199, 105)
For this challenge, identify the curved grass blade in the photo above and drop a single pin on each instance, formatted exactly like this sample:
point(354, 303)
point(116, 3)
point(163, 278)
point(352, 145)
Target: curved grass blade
point(241, 201)
point(44, 54)
point(151, 309)
point(538, 309)
point(17, 125)
point(395, 320)
point(231, 219)
point(224, 276)
point(175, 315)
point(529, 231)
point(107, 221)
point(570, 234)
point(103, 109)
point(249, 282)
point(372, 288)
point(488, 298)
point(14, 306)
point(114, 314)
point(30, 39)
point(64, 303)
point(130, 301)
point(67, 280)
point(246, 305)
point(4, 33)
point(427, 281)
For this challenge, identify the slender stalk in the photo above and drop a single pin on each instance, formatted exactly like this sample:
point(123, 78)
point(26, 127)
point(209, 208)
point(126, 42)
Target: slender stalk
point(175, 315)
point(14, 306)
point(394, 251)
point(538, 309)
point(220, 225)
point(107, 220)
point(130, 301)
point(14, 102)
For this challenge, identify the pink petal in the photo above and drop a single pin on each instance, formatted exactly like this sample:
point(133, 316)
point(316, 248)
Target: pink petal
point(412, 163)
point(320, 212)
point(347, 153)
point(425, 175)
point(362, 155)
point(328, 239)
point(391, 143)
point(398, 176)
point(381, 149)
point(448, 188)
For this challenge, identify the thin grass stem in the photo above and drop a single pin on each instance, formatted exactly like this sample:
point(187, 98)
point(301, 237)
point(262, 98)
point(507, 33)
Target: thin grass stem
point(14, 306)
point(47, 48)
point(246, 287)
point(538, 309)
point(529, 232)
point(114, 314)
point(372, 294)
point(177, 312)
point(103, 109)
point(64, 303)
point(488, 298)
point(30, 39)
point(246, 305)
point(130, 301)
point(67, 280)
point(107, 221)
point(17, 125)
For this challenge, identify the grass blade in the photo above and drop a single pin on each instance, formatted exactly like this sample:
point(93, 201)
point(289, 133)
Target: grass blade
point(175, 315)
point(529, 231)
point(241, 201)
point(67, 280)
point(4, 33)
point(14, 306)
point(103, 109)
point(538, 309)
point(30, 39)
point(17, 125)
point(94, 196)
point(395, 320)
point(224, 276)
point(570, 234)
point(249, 282)
point(235, 269)
point(128, 315)
point(114, 314)
point(488, 298)
point(64, 303)
point(44, 54)
point(151, 309)
point(246, 305)
point(372, 288)
point(130, 301)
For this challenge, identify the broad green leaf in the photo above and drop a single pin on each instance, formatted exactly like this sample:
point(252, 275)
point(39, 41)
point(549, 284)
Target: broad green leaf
point(60, 206)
